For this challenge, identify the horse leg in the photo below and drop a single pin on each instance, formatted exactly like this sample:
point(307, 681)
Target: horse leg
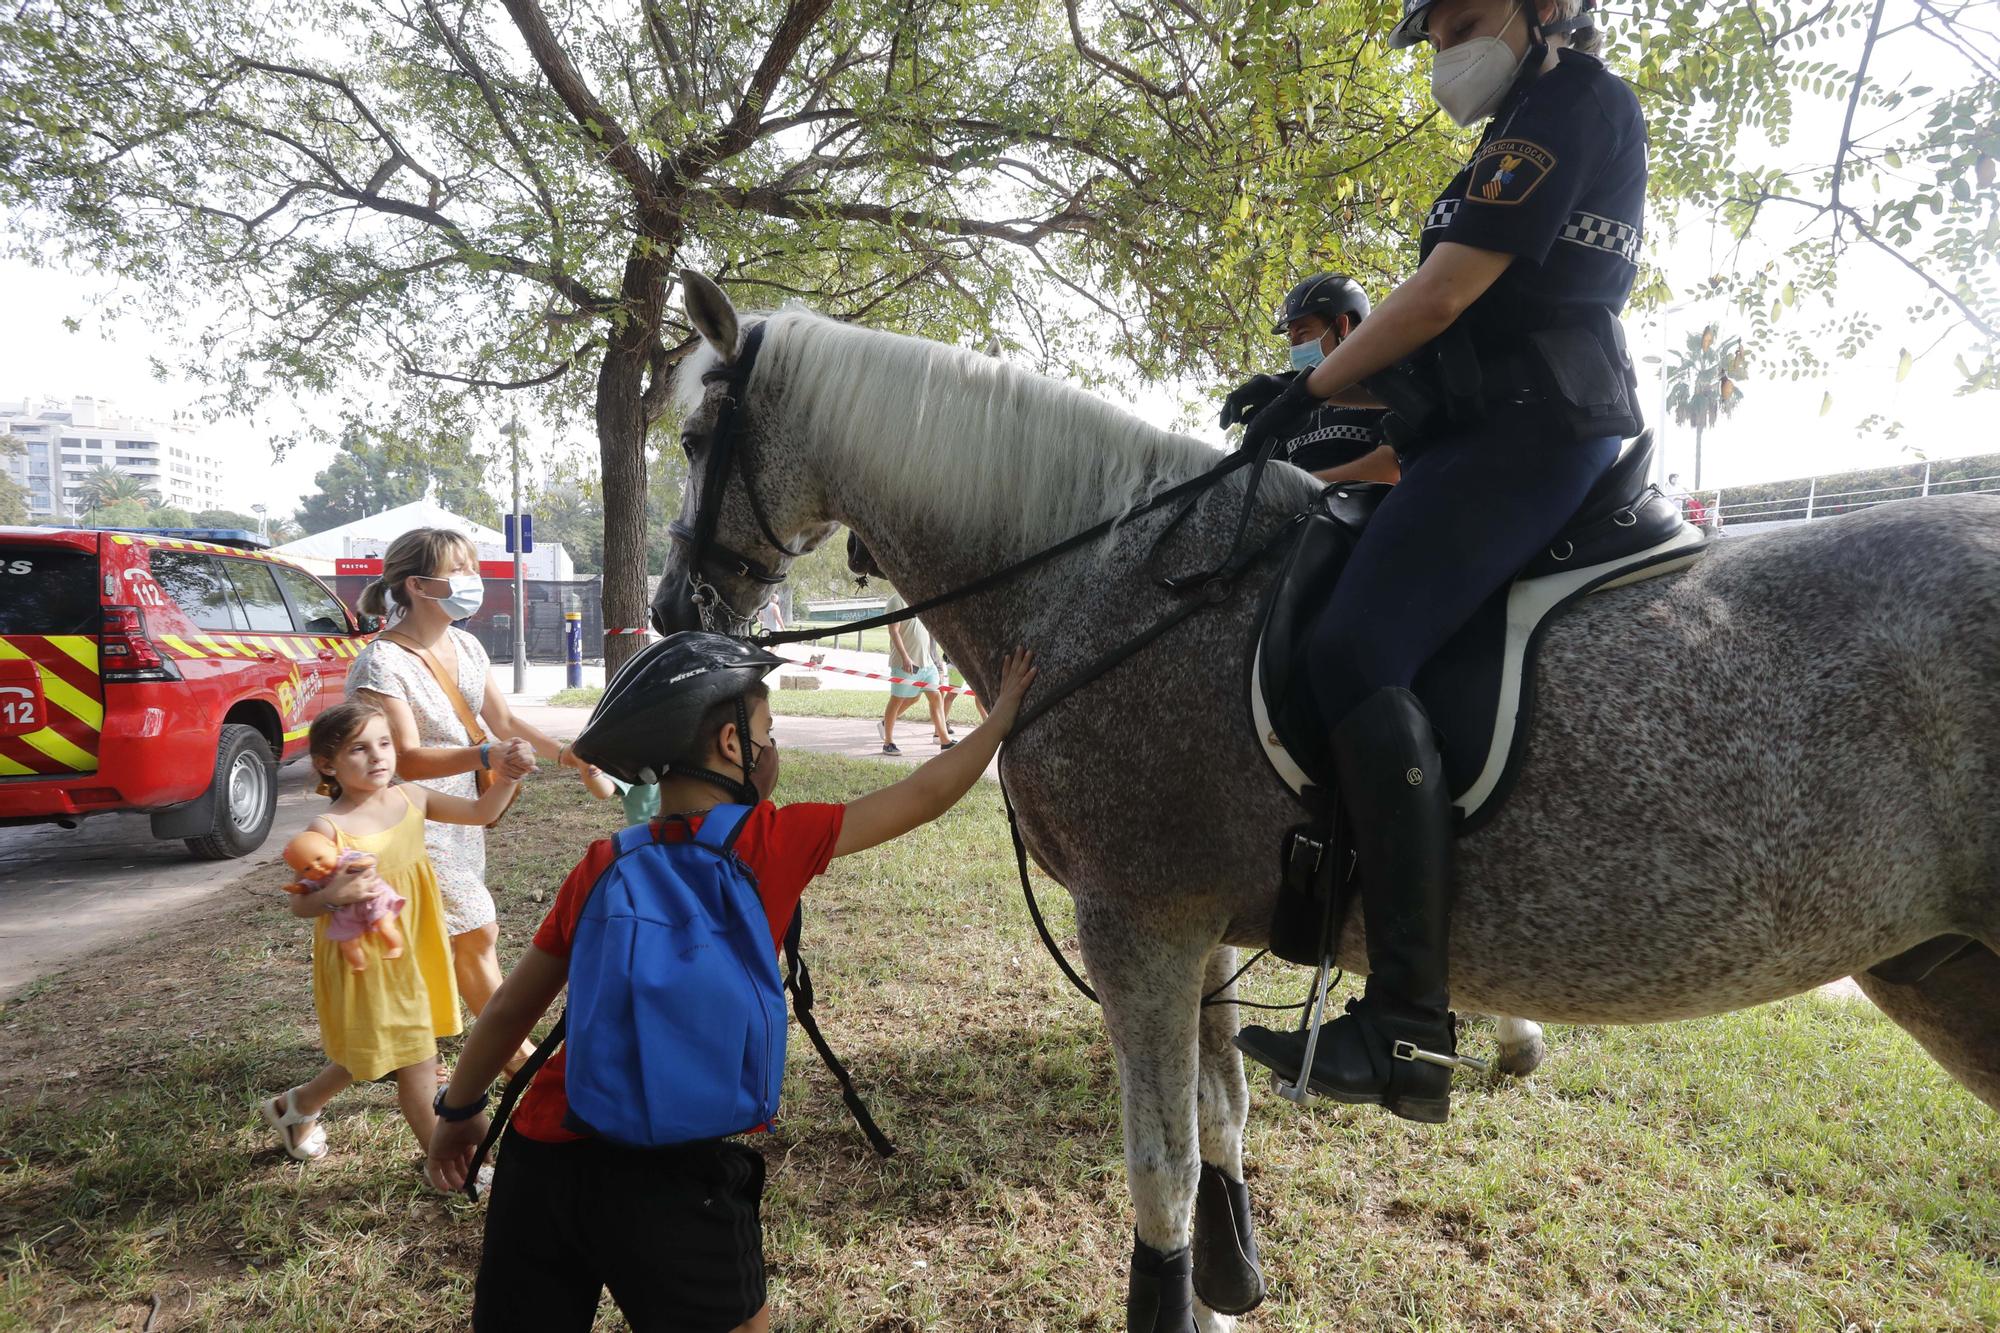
point(1522, 1049)
point(1954, 1013)
point(1227, 1280)
point(1150, 986)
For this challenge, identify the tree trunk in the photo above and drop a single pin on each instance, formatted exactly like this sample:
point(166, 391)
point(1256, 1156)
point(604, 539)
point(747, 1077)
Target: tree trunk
point(621, 450)
point(1697, 457)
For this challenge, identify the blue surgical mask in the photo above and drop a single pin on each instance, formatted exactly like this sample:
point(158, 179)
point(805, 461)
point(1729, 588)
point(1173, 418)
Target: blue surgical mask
point(1306, 355)
point(468, 594)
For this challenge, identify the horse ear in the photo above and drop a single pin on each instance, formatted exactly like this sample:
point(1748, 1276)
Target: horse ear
point(710, 312)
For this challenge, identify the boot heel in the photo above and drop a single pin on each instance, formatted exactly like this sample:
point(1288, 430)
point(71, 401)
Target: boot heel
point(1423, 1110)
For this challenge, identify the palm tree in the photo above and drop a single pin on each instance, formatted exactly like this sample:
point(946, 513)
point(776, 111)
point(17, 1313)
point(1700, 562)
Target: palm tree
point(1701, 384)
point(103, 486)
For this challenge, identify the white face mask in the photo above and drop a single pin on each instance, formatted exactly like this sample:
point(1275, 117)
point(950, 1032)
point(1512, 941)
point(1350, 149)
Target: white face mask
point(467, 595)
point(1470, 80)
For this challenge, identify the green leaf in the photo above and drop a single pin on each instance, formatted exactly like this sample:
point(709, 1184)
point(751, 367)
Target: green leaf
point(1903, 364)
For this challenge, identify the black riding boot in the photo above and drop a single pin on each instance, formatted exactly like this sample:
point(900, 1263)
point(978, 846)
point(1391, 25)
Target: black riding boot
point(1396, 1046)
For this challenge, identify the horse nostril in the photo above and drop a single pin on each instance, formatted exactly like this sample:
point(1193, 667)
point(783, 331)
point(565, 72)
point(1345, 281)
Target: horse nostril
point(671, 615)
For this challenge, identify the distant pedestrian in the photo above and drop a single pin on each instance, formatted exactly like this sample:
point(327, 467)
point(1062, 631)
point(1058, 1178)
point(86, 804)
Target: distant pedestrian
point(910, 660)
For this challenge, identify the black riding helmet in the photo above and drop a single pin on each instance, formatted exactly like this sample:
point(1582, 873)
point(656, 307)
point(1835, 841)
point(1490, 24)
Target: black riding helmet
point(1329, 295)
point(650, 715)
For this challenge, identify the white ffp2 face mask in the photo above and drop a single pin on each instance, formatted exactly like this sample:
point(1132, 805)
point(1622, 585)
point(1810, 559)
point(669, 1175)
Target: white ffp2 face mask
point(467, 595)
point(1470, 80)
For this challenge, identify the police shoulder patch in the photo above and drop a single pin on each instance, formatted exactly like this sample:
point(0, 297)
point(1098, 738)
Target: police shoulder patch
point(1506, 171)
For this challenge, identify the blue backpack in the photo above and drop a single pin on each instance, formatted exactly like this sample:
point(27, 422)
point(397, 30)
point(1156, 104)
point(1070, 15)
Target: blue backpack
point(676, 1017)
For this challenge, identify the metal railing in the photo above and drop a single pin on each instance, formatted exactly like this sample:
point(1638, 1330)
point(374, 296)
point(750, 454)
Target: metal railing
point(1715, 510)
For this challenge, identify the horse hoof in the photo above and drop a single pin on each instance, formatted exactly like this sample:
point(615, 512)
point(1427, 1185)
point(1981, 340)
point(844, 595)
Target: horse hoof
point(1160, 1296)
point(1226, 1273)
point(1522, 1060)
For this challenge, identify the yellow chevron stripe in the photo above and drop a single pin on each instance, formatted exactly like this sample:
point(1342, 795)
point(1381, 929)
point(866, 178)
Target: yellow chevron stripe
point(11, 768)
point(121, 539)
point(294, 735)
point(216, 646)
point(180, 645)
point(60, 692)
point(61, 749)
point(78, 647)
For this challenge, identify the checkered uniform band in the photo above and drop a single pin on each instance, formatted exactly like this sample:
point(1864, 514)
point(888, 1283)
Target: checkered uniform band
point(1596, 233)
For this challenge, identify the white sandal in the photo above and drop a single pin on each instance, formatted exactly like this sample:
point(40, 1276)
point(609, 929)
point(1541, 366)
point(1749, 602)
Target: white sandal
point(308, 1147)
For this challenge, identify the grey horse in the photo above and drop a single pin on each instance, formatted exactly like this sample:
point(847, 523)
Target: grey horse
point(1773, 770)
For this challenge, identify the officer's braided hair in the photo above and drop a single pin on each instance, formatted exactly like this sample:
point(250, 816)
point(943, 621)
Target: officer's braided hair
point(1586, 37)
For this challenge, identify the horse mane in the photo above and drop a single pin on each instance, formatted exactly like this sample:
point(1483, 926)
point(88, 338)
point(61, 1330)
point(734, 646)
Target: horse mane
point(965, 441)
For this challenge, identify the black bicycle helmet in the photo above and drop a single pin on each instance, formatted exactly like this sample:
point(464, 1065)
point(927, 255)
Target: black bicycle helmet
point(1329, 295)
point(651, 711)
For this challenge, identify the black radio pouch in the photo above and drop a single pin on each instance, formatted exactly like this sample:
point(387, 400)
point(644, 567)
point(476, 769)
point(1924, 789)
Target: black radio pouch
point(1586, 375)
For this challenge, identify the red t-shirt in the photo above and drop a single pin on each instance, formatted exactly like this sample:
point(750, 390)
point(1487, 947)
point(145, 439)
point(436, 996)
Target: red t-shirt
point(785, 847)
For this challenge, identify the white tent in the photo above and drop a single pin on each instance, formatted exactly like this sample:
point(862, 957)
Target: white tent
point(370, 536)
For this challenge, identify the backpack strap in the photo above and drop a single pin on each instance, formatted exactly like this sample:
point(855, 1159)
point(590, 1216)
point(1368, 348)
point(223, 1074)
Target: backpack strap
point(633, 837)
point(721, 825)
point(515, 1087)
point(798, 980)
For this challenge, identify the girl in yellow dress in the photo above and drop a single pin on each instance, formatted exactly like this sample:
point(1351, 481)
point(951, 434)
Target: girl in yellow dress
point(388, 1016)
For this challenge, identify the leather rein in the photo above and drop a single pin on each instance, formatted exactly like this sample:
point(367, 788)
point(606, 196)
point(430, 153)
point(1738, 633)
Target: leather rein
point(1200, 591)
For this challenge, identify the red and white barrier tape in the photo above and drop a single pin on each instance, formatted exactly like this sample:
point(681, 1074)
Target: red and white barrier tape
point(643, 629)
point(893, 680)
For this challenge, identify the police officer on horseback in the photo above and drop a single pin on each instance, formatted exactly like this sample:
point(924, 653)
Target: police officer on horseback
point(1317, 316)
point(1509, 390)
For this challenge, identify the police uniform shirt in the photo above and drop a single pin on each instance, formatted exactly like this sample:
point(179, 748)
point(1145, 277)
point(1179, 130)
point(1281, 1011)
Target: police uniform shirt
point(1332, 436)
point(1559, 181)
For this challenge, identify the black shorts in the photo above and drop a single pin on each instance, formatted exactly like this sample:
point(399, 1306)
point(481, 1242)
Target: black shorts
point(674, 1233)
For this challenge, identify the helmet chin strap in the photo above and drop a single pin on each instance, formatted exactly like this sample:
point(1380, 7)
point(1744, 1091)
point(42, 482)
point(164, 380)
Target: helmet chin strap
point(743, 789)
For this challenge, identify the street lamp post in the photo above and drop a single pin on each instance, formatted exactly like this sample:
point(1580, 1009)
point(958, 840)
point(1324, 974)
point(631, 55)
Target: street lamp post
point(263, 523)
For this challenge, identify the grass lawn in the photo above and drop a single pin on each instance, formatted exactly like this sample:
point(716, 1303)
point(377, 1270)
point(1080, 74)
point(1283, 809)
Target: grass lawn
point(1801, 1166)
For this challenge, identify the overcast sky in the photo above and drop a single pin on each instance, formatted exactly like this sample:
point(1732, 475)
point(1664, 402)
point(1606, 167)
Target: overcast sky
point(1777, 433)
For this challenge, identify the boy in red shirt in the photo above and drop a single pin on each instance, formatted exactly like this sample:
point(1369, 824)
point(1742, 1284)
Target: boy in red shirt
point(674, 1233)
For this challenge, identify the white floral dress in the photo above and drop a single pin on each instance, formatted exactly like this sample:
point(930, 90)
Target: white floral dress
point(457, 851)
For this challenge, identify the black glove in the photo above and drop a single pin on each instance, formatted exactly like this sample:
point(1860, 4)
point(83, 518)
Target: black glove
point(1282, 419)
point(1253, 396)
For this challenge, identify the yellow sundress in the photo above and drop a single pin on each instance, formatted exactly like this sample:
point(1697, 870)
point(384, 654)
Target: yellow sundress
point(391, 1014)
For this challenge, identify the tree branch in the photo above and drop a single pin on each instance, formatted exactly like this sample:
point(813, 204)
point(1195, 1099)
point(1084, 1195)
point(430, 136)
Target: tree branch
point(410, 367)
point(584, 107)
point(1124, 73)
point(1069, 219)
point(799, 19)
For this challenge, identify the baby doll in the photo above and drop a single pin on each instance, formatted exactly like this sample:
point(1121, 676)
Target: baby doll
point(317, 860)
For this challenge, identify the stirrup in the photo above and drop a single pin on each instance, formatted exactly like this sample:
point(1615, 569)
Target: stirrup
point(1299, 1090)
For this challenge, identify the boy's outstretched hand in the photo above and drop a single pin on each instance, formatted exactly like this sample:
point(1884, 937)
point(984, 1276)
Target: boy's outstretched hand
point(938, 785)
point(1017, 673)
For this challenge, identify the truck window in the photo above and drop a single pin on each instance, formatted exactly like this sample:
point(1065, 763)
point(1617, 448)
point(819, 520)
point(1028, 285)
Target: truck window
point(196, 584)
point(262, 601)
point(48, 590)
point(313, 607)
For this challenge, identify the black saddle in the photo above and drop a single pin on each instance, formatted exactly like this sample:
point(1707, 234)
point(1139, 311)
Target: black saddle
point(1479, 689)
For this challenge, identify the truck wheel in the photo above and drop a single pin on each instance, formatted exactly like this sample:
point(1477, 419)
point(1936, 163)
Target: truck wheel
point(245, 793)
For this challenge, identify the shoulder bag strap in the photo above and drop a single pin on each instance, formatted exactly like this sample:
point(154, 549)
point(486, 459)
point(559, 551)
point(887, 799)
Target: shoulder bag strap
point(474, 733)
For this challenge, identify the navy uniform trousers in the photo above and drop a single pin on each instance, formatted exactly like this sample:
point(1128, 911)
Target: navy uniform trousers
point(1470, 512)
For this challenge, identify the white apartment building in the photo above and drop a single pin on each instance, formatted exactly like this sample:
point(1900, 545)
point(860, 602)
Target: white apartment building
point(68, 441)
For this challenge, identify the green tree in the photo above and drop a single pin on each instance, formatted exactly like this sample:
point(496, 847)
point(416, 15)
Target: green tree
point(490, 199)
point(226, 518)
point(568, 508)
point(123, 512)
point(378, 468)
point(104, 486)
point(13, 499)
point(1702, 384)
point(168, 516)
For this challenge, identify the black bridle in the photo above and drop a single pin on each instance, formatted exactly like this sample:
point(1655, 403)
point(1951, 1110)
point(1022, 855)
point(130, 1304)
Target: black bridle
point(718, 453)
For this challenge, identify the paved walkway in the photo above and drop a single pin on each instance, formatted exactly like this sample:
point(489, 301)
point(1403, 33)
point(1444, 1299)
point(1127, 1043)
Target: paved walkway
point(65, 893)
